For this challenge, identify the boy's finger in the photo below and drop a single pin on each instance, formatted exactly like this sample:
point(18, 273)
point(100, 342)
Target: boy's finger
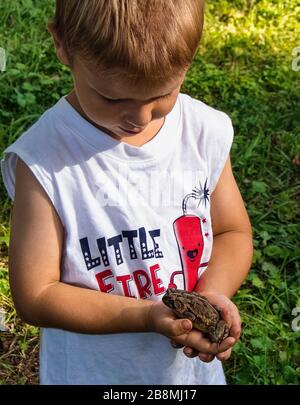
point(236, 327)
point(224, 355)
point(176, 345)
point(201, 344)
point(233, 319)
point(226, 315)
point(236, 331)
point(179, 327)
point(190, 352)
point(226, 344)
point(207, 358)
point(204, 345)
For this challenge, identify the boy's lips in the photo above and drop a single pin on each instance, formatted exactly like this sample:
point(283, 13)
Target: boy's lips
point(130, 131)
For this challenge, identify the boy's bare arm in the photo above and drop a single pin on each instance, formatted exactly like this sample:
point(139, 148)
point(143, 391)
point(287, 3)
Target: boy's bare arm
point(35, 252)
point(232, 246)
point(231, 255)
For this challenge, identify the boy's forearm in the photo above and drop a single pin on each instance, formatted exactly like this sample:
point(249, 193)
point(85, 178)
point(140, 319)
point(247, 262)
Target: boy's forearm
point(81, 310)
point(229, 264)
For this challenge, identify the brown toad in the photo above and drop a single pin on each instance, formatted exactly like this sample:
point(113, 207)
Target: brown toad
point(205, 316)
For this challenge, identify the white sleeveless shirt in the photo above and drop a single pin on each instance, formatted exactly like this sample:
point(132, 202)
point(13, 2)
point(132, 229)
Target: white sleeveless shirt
point(136, 221)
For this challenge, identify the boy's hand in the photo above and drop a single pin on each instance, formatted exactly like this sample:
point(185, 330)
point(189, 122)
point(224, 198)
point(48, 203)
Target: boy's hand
point(162, 320)
point(231, 315)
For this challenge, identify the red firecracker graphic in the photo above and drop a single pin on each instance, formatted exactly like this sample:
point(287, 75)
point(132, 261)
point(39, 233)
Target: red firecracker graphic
point(188, 232)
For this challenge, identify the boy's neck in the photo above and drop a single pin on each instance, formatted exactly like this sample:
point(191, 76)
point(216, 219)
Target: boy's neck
point(135, 140)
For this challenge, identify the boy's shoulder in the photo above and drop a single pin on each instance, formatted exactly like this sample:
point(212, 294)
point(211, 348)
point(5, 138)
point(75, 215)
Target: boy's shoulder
point(201, 109)
point(41, 134)
point(205, 116)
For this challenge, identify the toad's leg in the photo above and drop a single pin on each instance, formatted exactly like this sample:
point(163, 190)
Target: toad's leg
point(221, 331)
point(190, 316)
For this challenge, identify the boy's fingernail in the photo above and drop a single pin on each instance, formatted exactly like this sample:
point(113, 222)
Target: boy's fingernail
point(186, 325)
point(188, 352)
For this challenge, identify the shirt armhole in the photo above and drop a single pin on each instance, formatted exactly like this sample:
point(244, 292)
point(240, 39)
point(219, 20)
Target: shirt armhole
point(226, 141)
point(8, 170)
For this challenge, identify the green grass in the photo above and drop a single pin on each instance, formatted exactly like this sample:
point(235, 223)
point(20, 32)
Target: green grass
point(244, 68)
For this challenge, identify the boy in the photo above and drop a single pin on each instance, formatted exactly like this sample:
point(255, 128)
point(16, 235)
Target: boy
point(119, 191)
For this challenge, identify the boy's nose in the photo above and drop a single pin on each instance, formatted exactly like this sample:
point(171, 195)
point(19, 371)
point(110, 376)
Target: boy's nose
point(139, 117)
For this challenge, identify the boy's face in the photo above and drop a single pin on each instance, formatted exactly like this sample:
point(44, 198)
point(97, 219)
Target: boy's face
point(117, 107)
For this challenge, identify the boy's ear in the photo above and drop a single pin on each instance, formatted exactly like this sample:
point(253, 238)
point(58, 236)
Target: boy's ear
point(60, 52)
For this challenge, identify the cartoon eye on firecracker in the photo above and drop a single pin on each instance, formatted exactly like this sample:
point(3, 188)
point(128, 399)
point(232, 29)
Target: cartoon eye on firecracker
point(188, 232)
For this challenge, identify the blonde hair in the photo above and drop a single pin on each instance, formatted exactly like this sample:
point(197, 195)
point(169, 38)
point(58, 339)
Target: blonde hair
point(147, 40)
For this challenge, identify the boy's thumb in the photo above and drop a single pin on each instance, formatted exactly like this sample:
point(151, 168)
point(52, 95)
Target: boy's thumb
point(187, 325)
point(182, 326)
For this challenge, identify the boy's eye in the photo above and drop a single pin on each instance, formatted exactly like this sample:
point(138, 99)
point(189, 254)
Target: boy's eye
point(166, 96)
point(109, 100)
